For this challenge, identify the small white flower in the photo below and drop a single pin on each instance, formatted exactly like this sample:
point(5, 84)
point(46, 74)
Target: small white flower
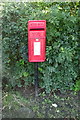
point(57, 110)
point(55, 105)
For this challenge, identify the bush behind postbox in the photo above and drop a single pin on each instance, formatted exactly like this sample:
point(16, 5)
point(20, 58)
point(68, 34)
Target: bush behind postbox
point(60, 70)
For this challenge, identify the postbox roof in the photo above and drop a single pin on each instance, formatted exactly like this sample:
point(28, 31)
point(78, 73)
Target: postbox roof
point(36, 20)
point(32, 24)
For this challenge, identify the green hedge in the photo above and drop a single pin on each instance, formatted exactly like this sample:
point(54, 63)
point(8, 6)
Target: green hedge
point(61, 69)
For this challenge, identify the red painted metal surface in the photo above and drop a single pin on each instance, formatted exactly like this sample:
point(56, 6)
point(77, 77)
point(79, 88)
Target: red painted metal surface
point(36, 40)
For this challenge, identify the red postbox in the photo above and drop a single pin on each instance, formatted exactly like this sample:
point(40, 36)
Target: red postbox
point(36, 40)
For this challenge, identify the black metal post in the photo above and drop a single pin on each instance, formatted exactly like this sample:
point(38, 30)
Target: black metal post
point(36, 78)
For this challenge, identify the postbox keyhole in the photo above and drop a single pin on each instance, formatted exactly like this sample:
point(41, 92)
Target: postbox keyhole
point(37, 39)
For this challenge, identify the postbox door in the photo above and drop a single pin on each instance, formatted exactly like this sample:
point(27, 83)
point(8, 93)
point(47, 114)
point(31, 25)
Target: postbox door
point(37, 50)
